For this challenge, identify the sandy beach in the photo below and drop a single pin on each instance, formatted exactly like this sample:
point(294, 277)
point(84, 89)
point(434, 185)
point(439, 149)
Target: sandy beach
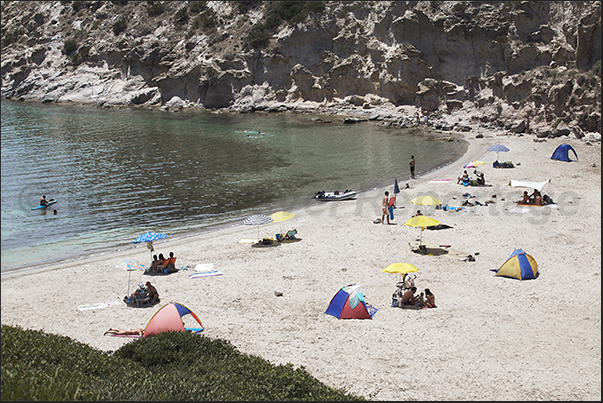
point(490, 338)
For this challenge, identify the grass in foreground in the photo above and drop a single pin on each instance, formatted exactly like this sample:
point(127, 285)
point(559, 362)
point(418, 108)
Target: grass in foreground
point(170, 366)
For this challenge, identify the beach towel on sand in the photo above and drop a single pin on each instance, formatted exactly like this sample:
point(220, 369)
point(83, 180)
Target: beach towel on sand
point(99, 305)
point(205, 274)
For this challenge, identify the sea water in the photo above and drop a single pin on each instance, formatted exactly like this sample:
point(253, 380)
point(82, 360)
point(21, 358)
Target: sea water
point(118, 173)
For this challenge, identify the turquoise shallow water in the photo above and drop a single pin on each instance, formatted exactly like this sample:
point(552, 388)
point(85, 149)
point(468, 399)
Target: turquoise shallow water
point(118, 173)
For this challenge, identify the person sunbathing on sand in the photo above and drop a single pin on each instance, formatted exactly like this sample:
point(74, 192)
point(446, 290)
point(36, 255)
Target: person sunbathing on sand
point(125, 332)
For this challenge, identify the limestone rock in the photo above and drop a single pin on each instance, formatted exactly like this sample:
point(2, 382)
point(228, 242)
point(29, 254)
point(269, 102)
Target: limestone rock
point(462, 62)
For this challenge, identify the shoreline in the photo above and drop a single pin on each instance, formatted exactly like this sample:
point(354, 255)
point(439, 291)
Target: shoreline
point(122, 249)
point(490, 338)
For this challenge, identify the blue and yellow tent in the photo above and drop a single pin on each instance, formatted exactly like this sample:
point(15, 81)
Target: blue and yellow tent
point(519, 265)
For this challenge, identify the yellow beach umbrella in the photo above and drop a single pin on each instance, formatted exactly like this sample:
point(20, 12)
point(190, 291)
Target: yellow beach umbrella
point(425, 201)
point(402, 268)
point(281, 216)
point(421, 221)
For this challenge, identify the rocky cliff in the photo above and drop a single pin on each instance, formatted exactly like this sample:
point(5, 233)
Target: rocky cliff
point(515, 65)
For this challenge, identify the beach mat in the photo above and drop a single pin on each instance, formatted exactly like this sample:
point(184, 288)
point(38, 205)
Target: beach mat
point(261, 245)
point(206, 274)
point(204, 267)
point(99, 305)
point(126, 335)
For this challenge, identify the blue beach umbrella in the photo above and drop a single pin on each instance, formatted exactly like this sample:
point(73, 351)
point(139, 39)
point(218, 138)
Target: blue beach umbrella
point(396, 188)
point(498, 148)
point(149, 237)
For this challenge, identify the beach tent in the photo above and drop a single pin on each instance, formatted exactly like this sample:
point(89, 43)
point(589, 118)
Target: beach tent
point(169, 317)
point(519, 265)
point(349, 303)
point(562, 153)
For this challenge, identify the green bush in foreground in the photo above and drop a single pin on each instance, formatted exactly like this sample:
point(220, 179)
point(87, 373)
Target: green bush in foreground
point(170, 366)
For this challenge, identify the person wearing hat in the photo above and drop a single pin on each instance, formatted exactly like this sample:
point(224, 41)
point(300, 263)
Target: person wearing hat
point(152, 293)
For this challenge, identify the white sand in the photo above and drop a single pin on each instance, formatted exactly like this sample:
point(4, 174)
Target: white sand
point(490, 338)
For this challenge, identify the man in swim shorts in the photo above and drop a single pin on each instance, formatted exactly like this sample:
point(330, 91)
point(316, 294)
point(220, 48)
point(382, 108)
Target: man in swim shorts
point(384, 208)
point(412, 166)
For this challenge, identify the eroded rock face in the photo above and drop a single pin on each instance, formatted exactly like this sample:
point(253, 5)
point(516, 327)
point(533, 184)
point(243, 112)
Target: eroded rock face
point(499, 63)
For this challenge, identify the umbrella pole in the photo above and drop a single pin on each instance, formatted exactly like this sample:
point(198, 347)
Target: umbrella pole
point(129, 272)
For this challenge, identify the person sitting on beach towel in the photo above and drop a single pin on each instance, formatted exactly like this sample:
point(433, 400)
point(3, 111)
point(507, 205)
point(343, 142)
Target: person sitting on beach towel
point(153, 294)
point(481, 181)
point(161, 262)
point(429, 299)
point(155, 264)
point(125, 332)
point(170, 263)
point(464, 180)
point(409, 297)
point(526, 198)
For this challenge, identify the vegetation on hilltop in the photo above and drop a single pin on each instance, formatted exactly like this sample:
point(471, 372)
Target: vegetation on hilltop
point(169, 366)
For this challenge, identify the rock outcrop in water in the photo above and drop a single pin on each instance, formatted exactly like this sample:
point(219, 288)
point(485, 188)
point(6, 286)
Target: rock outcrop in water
point(515, 65)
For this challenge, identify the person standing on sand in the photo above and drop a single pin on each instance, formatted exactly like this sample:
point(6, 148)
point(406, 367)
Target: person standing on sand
point(384, 208)
point(412, 166)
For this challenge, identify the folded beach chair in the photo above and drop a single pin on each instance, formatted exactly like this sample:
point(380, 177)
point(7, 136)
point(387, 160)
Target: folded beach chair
point(291, 234)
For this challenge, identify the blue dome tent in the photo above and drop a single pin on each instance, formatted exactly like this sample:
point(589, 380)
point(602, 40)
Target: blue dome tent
point(562, 153)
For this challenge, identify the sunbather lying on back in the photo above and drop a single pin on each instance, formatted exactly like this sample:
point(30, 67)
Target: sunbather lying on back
point(125, 332)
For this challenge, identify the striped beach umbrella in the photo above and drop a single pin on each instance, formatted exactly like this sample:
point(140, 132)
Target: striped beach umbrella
point(258, 219)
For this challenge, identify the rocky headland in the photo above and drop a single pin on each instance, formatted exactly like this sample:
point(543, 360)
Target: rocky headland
point(515, 66)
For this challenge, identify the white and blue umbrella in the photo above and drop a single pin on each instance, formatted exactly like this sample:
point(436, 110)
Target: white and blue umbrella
point(258, 219)
point(149, 237)
point(498, 148)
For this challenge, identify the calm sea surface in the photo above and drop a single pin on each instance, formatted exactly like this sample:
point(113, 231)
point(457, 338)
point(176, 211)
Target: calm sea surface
point(118, 173)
